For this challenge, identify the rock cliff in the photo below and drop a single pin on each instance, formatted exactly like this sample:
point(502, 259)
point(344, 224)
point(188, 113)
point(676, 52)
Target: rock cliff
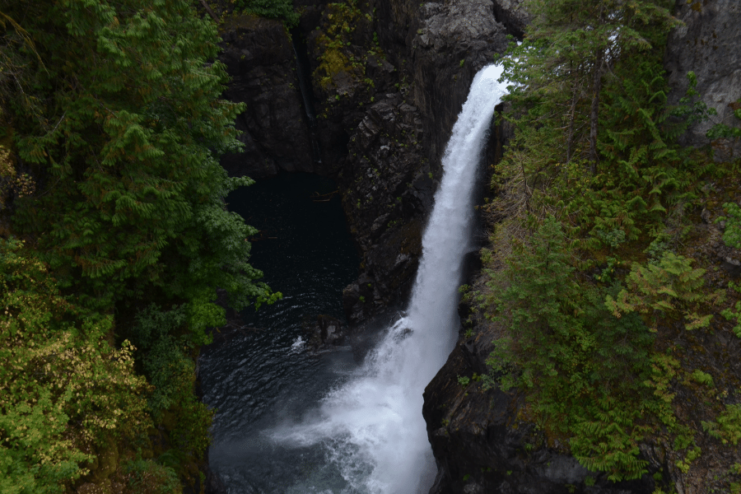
point(709, 44)
point(387, 82)
point(260, 60)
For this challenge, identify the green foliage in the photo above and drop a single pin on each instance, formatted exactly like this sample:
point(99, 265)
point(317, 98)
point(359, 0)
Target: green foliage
point(692, 109)
point(732, 233)
point(636, 172)
point(116, 113)
point(129, 138)
point(665, 289)
point(722, 130)
point(272, 9)
point(62, 388)
point(734, 315)
point(164, 353)
point(728, 425)
point(560, 65)
point(702, 378)
point(584, 271)
point(692, 455)
point(579, 366)
point(149, 477)
point(16, 48)
point(464, 380)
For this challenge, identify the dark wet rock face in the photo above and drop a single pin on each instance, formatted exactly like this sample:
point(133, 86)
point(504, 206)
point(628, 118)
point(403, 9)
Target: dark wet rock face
point(394, 154)
point(261, 63)
point(389, 79)
point(387, 195)
point(513, 15)
point(709, 44)
point(451, 44)
point(439, 47)
point(325, 332)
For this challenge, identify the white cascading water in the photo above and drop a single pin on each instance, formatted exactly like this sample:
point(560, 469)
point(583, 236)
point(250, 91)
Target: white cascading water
point(372, 426)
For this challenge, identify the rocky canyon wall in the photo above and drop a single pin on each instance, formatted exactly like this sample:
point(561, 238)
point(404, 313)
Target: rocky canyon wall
point(708, 44)
point(387, 82)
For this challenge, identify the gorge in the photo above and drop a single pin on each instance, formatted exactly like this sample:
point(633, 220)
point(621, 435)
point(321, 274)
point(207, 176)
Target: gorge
point(382, 140)
point(296, 246)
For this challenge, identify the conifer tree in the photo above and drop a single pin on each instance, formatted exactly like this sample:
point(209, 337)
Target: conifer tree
point(569, 48)
point(125, 144)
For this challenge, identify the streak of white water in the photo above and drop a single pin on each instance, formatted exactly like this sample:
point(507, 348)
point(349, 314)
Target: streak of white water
point(372, 426)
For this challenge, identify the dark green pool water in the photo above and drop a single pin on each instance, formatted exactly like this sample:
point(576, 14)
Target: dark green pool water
point(260, 379)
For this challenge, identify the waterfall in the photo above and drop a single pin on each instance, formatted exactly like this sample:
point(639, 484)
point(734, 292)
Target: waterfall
point(372, 427)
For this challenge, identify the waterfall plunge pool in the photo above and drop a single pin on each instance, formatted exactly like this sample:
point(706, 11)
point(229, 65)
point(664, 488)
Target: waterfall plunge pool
point(259, 379)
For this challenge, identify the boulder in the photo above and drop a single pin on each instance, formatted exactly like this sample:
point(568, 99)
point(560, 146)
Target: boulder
point(325, 332)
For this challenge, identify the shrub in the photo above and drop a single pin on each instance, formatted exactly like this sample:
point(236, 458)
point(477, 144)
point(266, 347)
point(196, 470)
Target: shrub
point(149, 477)
point(728, 425)
point(581, 369)
point(62, 387)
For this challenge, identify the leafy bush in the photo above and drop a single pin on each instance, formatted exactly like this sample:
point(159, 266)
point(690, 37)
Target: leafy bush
point(664, 288)
point(115, 110)
point(583, 270)
point(165, 346)
point(732, 234)
point(728, 425)
point(137, 204)
point(579, 366)
point(734, 313)
point(149, 477)
point(62, 387)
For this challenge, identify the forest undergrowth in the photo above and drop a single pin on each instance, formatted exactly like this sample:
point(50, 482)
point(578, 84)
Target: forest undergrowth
point(604, 273)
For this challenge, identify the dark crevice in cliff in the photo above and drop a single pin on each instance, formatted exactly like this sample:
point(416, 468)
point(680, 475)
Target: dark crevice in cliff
point(512, 16)
point(303, 73)
point(512, 28)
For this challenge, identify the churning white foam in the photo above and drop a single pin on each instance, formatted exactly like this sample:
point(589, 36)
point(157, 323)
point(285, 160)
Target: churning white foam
point(372, 427)
point(297, 346)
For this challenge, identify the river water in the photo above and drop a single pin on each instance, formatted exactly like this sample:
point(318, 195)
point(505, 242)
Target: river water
point(261, 378)
point(292, 423)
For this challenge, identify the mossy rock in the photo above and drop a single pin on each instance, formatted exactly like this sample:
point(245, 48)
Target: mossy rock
point(106, 462)
point(98, 487)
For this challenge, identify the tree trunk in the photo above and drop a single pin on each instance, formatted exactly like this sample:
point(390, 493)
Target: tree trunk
point(594, 115)
point(572, 117)
point(210, 12)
